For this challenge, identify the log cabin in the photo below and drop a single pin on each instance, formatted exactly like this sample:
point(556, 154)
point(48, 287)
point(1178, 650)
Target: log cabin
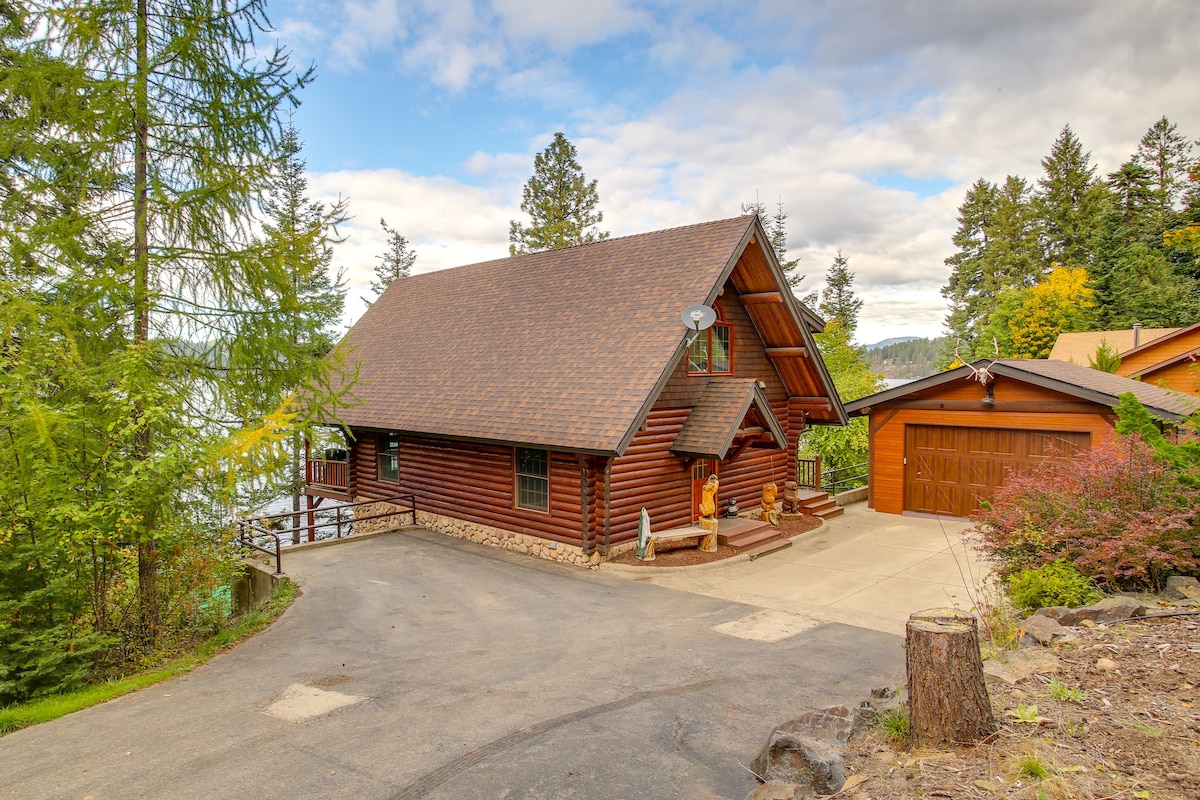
point(539, 402)
point(942, 444)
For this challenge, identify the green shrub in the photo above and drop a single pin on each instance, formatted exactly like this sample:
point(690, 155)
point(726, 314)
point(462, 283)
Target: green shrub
point(1055, 584)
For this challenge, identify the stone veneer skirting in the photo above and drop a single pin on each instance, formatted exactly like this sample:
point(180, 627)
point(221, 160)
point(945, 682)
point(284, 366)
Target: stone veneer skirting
point(482, 534)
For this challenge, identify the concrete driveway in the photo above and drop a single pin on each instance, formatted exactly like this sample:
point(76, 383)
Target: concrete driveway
point(863, 568)
point(415, 665)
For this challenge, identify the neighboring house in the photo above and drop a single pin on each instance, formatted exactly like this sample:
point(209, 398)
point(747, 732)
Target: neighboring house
point(1080, 348)
point(1168, 361)
point(552, 396)
point(943, 443)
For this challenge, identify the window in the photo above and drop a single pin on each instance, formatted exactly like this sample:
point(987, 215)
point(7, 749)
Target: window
point(389, 457)
point(533, 479)
point(711, 352)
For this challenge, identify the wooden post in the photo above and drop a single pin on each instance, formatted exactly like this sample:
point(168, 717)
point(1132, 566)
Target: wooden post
point(948, 702)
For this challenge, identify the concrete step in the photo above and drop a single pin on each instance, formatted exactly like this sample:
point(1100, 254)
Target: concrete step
point(768, 547)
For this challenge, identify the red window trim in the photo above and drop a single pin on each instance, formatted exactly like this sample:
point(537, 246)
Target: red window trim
point(720, 323)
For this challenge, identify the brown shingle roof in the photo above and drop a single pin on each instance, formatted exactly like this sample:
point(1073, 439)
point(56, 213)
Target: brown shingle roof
point(562, 348)
point(713, 422)
point(1082, 382)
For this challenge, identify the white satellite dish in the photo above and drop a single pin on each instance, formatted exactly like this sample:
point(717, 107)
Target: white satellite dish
point(698, 318)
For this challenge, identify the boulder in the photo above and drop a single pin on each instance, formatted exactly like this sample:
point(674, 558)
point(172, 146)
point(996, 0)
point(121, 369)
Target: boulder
point(832, 725)
point(777, 790)
point(1014, 666)
point(1110, 609)
point(795, 758)
point(1043, 630)
point(1181, 587)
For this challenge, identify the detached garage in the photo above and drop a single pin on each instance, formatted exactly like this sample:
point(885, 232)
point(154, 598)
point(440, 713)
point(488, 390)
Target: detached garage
point(941, 444)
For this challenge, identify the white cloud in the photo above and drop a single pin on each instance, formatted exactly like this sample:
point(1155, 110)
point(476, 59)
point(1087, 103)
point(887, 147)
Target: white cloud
point(810, 102)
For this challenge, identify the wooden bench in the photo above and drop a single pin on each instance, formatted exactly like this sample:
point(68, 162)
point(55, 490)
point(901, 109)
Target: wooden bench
point(707, 540)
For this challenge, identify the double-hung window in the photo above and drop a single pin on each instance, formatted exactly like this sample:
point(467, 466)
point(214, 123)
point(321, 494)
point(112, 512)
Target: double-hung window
point(389, 457)
point(533, 479)
point(712, 350)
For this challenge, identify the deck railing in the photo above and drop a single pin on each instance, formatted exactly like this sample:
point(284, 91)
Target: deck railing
point(808, 473)
point(843, 478)
point(327, 473)
point(258, 533)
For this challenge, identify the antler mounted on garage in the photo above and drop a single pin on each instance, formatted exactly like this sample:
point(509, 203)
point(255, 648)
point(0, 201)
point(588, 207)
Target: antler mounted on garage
point(981, 374)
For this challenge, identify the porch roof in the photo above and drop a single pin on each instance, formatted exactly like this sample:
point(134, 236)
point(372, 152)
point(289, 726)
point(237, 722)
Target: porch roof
point(716, 420)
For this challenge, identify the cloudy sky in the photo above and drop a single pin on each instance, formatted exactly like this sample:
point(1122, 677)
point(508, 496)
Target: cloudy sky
point(869, 119)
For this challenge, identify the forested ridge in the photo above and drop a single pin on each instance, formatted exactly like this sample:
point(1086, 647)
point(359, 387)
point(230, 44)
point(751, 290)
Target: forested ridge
point(1076, 250)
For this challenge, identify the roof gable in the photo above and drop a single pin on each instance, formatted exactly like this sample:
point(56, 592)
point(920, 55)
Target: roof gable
point(1084, 383)
point(564, 348)
point(1080, 348)
point(714, 423)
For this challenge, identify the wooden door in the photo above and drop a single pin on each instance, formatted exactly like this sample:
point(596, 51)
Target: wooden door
point(949, 470)
point(700, 472)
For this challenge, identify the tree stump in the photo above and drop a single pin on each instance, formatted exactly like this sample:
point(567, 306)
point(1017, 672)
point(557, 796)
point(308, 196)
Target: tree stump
point(948, 702)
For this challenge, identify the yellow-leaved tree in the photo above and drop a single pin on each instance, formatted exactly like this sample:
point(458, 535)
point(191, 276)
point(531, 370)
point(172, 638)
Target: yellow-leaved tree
point(1027, 321)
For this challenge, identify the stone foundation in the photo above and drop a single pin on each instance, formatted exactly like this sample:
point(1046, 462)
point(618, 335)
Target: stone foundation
point(383, 523)
point(482, 534)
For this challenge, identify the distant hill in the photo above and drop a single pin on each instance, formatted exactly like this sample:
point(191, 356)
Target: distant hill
point(904, 357)
point(893, 340)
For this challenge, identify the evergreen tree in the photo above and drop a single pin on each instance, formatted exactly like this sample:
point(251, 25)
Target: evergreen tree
point(1107, 359)
point(299, 234)
point(1166, 154)
point(1070, 201)
point(560, 202)
point(396, 261)
point(776, 227)
point(838, 302)
point(142, 317)
point(969, 304)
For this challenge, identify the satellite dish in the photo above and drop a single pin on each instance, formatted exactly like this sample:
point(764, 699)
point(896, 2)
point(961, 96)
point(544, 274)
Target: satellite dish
point(698, 318)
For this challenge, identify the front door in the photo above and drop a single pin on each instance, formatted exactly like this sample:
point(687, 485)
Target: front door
point(700, 472)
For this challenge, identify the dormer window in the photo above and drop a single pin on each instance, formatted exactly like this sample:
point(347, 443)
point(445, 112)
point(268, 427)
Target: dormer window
point(712, 351)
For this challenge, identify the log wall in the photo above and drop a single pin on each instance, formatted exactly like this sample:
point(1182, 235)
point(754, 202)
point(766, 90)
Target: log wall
point(475, 483)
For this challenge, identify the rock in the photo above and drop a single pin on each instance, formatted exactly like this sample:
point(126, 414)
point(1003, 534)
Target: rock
point(1181, 587)
point(882, 701)
point(832, 725)
point(1043, 630)
point(1053, 612)
point(777, 790)
point(794, 758)
point(1106, 665)
point(1185, 603)
point(1110, 609)
point(1014, 666)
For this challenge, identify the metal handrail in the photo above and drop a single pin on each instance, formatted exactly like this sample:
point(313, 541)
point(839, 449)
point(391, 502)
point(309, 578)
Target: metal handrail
point(248, 529)
point(857, 472)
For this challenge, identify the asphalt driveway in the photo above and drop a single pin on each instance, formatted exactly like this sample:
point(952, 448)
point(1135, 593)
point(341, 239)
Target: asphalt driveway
point(416, 665)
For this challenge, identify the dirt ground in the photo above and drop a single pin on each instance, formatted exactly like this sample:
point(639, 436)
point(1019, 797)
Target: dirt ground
point(684, 552)
point(1132, 731)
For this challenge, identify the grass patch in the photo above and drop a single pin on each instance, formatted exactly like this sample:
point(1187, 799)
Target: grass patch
point(44, 709)
point(895, 724)
point(1063, 693)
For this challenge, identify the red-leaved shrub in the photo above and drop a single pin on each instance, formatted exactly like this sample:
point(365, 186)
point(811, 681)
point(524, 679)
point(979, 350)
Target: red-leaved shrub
point(1119, 512)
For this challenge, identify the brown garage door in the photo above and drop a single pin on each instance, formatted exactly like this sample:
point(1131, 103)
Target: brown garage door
point(948, 470)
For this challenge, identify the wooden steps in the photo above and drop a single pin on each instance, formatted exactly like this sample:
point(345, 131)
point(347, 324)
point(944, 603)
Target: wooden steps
point(820, 504)
point(755, 539)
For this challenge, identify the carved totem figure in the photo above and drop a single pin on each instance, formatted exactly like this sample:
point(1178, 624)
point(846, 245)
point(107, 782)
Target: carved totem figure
point(791, 498)
point(708, 497)
point(768, 501)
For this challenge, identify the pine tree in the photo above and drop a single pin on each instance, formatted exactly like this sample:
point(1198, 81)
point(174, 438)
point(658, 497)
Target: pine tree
point(560, 202)
point(396, 261)
point(299, 234)
point(156, 302)
point(1166, 153)
point(1107, 359)
point(1070, 201)
point(776, 227)
point(838, 302)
